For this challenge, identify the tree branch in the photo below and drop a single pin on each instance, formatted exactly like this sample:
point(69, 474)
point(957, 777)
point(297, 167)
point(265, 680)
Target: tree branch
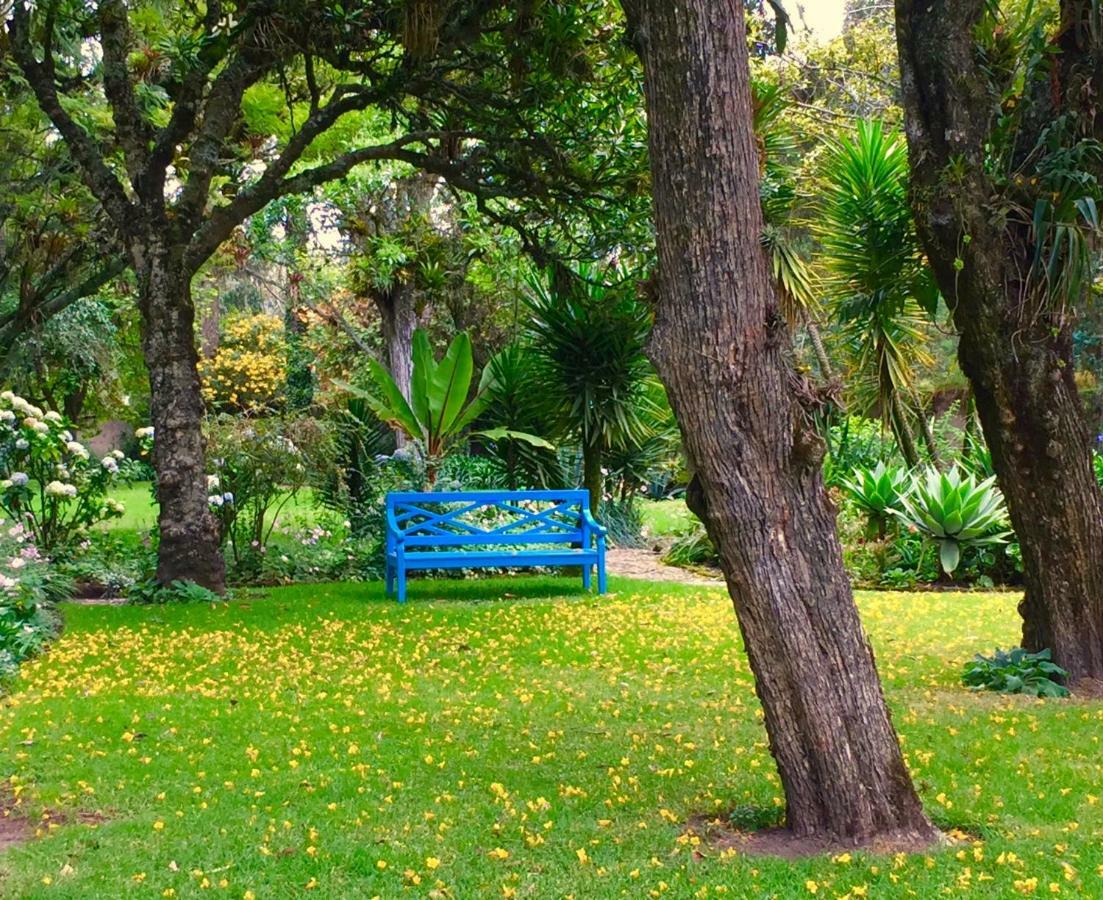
point(16, 323)
point(185, 110)
point(131, 126)
point(84, 149)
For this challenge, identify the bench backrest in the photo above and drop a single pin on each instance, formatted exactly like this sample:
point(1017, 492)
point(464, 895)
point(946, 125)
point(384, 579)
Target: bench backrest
point(474, 518)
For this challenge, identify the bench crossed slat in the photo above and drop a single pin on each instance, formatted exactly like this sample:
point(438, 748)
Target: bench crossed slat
point(424, 533)
point(537, 518)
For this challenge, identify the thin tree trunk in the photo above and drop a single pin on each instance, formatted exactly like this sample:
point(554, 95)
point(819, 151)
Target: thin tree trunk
point(592, 478)
point(898, 417)
point(826, 369)
point(1016, 345)
point(189, 542)
point(927, 432)
point(721, 346)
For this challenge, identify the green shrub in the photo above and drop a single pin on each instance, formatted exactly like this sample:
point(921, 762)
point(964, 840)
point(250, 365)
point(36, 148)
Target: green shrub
point(48, 481)
point(29, 588)
point(1097, 461)
point(257, 469)
point(464, 472)
point(319, 553)
point(110, 562)
point(624, 522)
point(1017, 671)
point(153, 592)
point(955, 510)
point(856, 443)
point(692, 548)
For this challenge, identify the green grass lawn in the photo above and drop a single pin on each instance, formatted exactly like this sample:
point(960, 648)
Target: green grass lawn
point(141, 509)
point(503, 737)
point(665, 517)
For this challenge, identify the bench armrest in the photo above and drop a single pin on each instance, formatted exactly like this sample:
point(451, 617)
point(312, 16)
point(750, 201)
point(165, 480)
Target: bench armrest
point(592, 523)
point(394, 533)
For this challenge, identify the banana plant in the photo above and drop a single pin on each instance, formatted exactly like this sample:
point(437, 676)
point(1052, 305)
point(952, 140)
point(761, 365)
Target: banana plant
point(439, 411)
point(878, 492)
point(955, 510)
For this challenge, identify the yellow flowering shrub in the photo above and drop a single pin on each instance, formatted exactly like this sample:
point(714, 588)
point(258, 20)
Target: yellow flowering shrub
point(249, 370)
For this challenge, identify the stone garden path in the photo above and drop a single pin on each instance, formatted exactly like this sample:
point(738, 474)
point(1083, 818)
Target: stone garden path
point(648, 566)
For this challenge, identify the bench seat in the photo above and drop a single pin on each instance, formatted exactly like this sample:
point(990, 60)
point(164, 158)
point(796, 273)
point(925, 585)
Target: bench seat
point(496, 529)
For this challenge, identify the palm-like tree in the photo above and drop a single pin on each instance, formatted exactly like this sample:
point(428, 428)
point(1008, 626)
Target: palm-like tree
point(588, 339)
point(877, 281)
point(779, 153)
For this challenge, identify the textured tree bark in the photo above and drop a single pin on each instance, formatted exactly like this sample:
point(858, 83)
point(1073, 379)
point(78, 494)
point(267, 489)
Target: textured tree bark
point(720, 345)
point(1016, 345)
point(189, 546)
point(399, 319)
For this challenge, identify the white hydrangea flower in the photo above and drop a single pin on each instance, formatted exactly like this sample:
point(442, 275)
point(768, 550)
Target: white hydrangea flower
point(118, 454)
point(7, 397)
point(213, 483)
point(77, 449)
point(109, 463)
point(60, 489)
point(22, 444)
point(52, 416)
point(20, 478)
point(5, 484)
point(215, 500)
point(114, 506)
point(228, 497)
point(6, 415)
point(144, 433)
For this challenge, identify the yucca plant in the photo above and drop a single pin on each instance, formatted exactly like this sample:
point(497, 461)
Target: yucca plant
point(439, 411)
point(955, 510)
point(587, 337)
point(879, 493)
point(879, 287)
point(510, 391)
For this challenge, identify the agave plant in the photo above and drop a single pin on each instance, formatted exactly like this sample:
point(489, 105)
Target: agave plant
point(438, 412)
point(955, 510)
point(878, 492)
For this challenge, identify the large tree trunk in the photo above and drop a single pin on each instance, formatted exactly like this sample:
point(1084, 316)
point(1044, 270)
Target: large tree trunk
point(721, 347)
point(1016, 346)
point(189, 547)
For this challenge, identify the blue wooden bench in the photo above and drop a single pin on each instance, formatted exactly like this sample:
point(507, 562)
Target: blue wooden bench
point(506, 529)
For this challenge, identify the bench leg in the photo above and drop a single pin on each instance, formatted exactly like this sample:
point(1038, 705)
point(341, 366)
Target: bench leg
point(401, 584)
point(602, 583)
point(587, 573)
point(390, 579)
